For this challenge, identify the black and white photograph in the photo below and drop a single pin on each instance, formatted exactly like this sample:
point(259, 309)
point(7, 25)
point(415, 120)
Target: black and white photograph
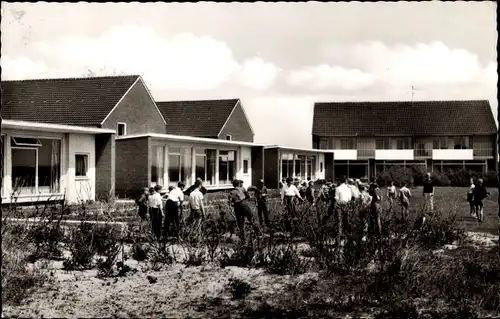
point(250, 160)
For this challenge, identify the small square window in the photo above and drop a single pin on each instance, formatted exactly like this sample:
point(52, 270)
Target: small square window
point(121, 129)
point(81, 165)
point(245, 166)
point(228, 137)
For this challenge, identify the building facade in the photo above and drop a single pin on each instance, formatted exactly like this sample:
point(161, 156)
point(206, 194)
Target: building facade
point(369, 137)
point(58, 135)
point(305, 164)
point(164, 159)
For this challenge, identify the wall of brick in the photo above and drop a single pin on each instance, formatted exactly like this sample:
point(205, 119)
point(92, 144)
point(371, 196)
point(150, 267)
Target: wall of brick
point(237, 126)
point(271, 172)
point(105, 166)
point(138, 111)
point(132, 166)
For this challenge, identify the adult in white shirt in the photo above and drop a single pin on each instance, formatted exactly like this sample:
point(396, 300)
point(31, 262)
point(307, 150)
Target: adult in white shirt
point(288, 193)
point(173, 210)
point(356, 194)
point(343, 193)
point(196, 203)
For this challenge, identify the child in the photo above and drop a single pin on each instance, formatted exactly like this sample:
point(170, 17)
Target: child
point(470, 197)
point(156, 210)
point(480, 193)
point(404, 197)
point(391, 194)
point(142, 202)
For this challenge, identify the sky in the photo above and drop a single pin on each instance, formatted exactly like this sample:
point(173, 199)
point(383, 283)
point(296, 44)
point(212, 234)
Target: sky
point(278, 58)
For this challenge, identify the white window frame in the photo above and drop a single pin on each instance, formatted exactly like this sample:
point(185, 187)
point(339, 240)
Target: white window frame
point(12, 136)
point(38, 142)
point(229, 137)
point(86, 176)
point(224, 149)
point(124, 128)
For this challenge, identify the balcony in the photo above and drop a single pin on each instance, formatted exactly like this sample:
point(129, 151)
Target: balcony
point(452, 154)
point(345, 155)
point(388, 155)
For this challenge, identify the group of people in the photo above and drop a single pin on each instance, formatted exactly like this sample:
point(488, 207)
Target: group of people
point(476, 194)
point(166, 219)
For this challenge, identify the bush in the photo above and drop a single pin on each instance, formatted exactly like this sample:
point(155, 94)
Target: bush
point(159, 255)
point(238, 288)
point(18, 278)
point(81, 248)
point(438, 231)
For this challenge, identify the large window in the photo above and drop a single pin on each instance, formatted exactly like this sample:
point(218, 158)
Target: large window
point(286, 165)
point(311, 167)
point(323, 143)
point(157, 165)
point(205, 165)
point(36, 165)
point(227, 167)
point(179, 165)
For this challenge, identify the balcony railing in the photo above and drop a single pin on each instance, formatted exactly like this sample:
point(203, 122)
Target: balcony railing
point(366, 154)
point(345, 155)
point(453, 154)
point(388, 155)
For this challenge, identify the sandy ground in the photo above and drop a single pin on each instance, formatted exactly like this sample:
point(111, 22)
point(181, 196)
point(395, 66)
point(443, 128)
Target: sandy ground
point(173, 295)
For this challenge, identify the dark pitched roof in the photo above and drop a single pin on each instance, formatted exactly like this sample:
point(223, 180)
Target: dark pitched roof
point(406, 118)
point(73, 101)
point(202, 118)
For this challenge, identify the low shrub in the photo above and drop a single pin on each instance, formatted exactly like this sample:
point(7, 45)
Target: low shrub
point(238, 288)
point(81, 248)
point(159, 255)
point(19, 277)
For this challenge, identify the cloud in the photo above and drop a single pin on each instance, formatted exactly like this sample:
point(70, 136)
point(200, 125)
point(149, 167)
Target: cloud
point(22, 68)
point(258, 74)
point(325, 77)
point(182, 61)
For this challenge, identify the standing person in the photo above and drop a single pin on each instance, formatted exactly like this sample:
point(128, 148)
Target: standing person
point(470, 198)
point(191, 188)
point(303, 189)
point(329, 197)
point(288, 194)
point(196, 203)
point(156, 210)
point(428, 194)
point(142, 202)
point(391, 195)
point(261, 197)
point(404, 197)
point(242, 210)
point(375, 208)
point(343, 196)
point(310, 193)
point(355, 193)
point(364, 212)
point(172, 211)
point(480, 193)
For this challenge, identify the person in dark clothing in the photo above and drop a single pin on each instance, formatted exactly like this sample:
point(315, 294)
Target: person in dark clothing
point(332, 207)
point(479, 194)
point(428, 194)
point(310, 193)
point(142, 202)
point(242, 210)
point(191, 188)
point(375, 209)
point(261, 198)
